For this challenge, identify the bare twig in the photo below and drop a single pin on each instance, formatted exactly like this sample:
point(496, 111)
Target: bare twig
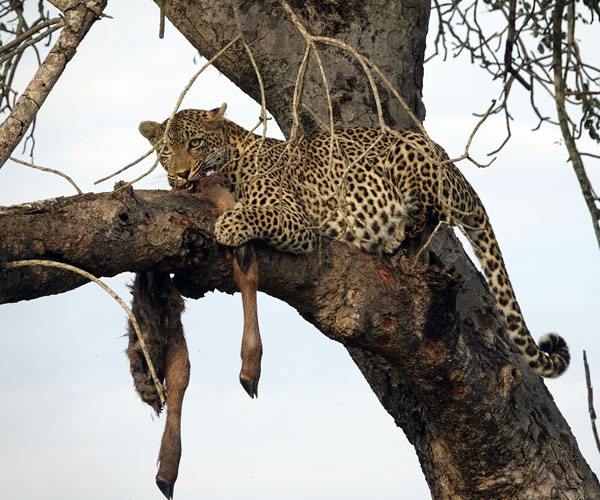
point(44, 169)
point(470, 140)
point(135, 162)
point(161, 28)
point(19, 50)
point(439, 225)
point(200, 71)
point(32, 31)
point(263, 100)
point(107, 289)
point(565, 121)
point(590, 391)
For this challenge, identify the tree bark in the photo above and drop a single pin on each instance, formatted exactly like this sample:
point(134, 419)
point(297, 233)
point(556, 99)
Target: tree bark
point(389, 32)
point(427, 339)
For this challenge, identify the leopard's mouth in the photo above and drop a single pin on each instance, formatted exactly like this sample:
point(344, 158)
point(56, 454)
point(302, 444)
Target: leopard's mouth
point(192, 184)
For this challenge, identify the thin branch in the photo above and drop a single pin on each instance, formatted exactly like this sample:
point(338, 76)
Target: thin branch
point(29, 33)
point(441, 223)
point(590, 155)
point(161, 28)
point(590, 391)
point(564, 119)
point(44, 169)
point(135, 162)
point(510, 40)
point(470, 140)
point(30, 43)
point(107, 289)
point(263, 100)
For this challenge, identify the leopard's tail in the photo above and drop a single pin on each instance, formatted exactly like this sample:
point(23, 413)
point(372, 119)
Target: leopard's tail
point(157, 306)
point(552, 356)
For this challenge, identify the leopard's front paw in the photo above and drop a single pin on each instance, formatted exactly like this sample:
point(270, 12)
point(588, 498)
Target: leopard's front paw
point(231, 230)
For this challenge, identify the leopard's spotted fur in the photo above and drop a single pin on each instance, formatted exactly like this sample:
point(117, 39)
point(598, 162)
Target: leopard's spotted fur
point(365, 191)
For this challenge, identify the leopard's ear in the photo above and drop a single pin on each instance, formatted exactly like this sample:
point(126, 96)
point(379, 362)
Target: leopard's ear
point(151, 131)
point(215, 116)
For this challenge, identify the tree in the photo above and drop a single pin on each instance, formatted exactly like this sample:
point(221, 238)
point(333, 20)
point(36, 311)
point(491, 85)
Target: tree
point(446, 414)
point(538, 49)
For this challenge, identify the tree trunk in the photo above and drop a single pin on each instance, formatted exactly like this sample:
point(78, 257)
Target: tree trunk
point(427, 339)
point(391, 33)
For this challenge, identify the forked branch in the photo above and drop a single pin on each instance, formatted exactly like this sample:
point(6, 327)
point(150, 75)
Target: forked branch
point(78, 20)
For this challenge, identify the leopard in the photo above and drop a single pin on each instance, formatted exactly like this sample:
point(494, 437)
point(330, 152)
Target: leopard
point(365, 187)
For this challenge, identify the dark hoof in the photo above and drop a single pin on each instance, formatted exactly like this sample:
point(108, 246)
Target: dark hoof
point(250, 386)
point(244, 255)
point(166, 488)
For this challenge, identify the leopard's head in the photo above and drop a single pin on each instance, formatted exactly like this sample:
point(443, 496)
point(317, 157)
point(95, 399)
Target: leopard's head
point(194, 146)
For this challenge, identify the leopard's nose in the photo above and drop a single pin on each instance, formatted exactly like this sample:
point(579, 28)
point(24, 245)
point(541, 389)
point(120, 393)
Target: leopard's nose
point(184, 175)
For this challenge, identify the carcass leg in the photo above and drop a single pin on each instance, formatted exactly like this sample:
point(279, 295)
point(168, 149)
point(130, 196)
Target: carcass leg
point(177, 376)
point(245, 272)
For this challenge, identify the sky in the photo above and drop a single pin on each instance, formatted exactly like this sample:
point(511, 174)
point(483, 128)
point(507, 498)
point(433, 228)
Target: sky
point(71, 425)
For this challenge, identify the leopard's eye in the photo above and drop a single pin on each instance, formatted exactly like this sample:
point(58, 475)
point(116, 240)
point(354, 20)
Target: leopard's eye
point(194, 143)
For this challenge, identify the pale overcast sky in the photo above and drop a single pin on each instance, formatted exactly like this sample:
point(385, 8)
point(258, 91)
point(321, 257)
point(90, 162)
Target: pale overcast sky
point(71, 425)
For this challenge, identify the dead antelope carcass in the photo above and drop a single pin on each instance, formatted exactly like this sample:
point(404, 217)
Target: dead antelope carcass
point(157, 306)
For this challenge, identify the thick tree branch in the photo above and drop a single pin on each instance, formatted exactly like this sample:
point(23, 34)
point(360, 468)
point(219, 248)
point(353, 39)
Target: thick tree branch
point(151, 229)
